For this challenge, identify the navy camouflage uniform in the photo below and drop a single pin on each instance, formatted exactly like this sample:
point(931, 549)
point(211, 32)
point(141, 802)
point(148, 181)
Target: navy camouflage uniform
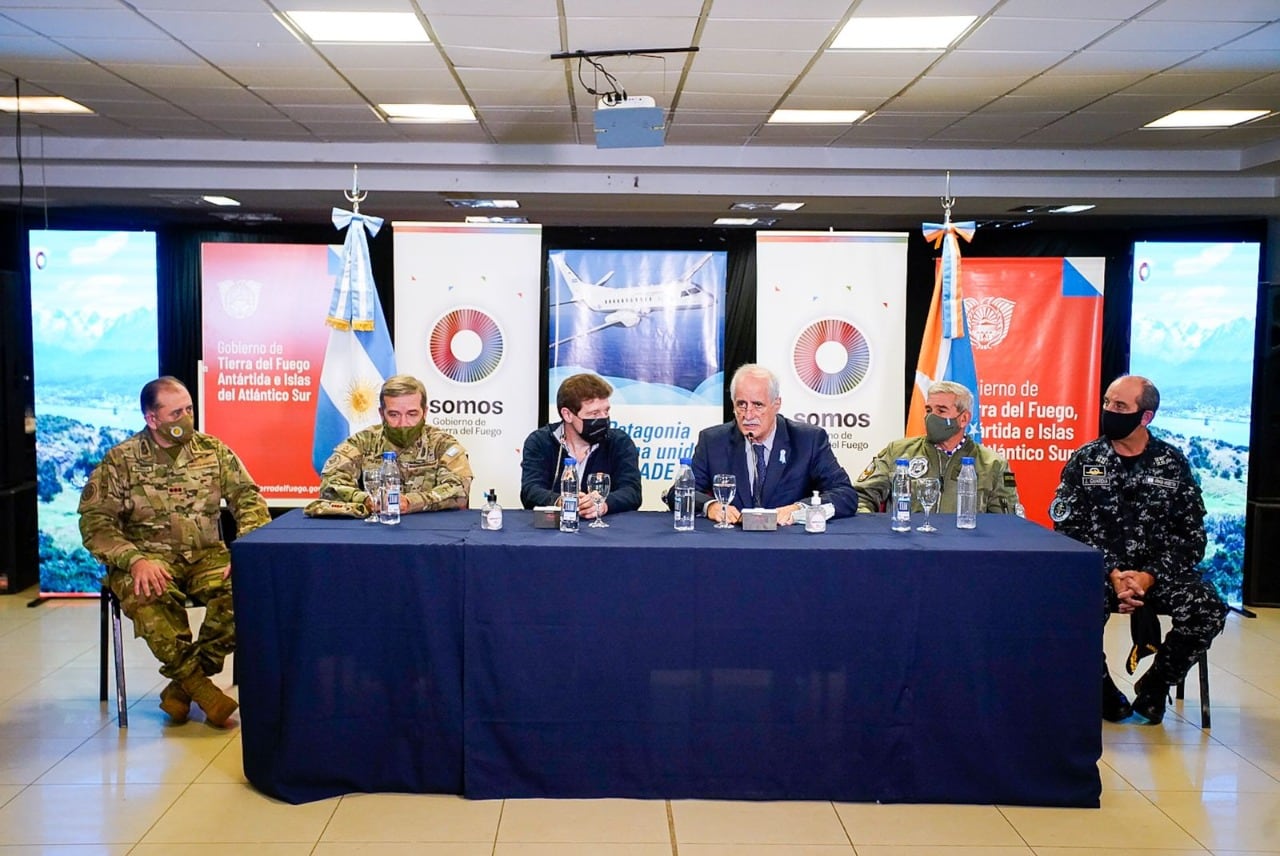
point(144, 502)
point(1146, 517)
point(435, 471)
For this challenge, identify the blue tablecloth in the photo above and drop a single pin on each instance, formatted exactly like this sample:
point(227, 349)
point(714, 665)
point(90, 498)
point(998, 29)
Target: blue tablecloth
point(635, 661)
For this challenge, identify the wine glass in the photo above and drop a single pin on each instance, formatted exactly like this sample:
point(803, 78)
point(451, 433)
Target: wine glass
point(927, 493)
point(597, 486)
point(371, 472)
point(724, 486)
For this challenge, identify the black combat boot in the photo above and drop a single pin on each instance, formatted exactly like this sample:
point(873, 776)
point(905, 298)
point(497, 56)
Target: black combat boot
point(1153, 694)
point(1115, 706)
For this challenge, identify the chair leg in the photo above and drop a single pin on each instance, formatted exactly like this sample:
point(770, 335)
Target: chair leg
point(1204, 691)
point(104, 606)
point(122, 697)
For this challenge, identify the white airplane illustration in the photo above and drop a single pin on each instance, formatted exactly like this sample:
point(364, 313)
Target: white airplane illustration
point(625, 307)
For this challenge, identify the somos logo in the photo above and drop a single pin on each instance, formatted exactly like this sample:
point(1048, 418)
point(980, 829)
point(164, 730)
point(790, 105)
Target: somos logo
point(831, 356)
point(466, 345)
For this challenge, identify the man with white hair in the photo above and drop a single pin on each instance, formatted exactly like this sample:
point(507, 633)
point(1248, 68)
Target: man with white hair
point(948, 411)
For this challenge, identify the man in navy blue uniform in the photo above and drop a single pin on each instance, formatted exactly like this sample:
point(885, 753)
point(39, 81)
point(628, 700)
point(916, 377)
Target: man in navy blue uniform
point(1134, 497)
point(778, 462)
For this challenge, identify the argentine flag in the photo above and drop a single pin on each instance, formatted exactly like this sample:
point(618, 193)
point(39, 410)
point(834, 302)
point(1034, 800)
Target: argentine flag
point(945, 350)
point(359, 356)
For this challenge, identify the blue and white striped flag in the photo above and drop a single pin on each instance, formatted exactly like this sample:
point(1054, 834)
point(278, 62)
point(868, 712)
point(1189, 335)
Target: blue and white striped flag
point(359, 356)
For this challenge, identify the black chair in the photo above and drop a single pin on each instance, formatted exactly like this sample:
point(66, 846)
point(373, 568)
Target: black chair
point(110, 609)
point(1180, 690)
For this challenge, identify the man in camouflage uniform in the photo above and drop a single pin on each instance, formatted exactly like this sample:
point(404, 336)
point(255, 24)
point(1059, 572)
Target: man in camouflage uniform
point(948, 410)
point(1134, 497)
point(435, 472)
point(150, 514)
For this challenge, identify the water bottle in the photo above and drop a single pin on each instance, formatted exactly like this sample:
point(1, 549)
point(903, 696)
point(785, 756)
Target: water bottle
point(390, 513)
point(569, 496)
point(967, 496)
point(900, 509)
point(684, 490)
point(815, 520)
point(491, 513)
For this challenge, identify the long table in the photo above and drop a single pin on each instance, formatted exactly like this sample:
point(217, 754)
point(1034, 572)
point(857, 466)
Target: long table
point(636, 661)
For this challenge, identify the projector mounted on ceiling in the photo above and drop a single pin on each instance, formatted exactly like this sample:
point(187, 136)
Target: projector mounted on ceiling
point(622, 121)
point(628, 122)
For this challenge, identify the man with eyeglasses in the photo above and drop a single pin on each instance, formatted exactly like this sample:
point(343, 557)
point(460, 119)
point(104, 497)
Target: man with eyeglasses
point(778, 462)
point(150, 514)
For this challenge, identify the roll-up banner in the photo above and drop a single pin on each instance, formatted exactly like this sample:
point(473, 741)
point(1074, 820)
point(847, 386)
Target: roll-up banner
point(651, 323)
point(830, 310)
point(263, 339)
point(467, 306)
point(1035, 325)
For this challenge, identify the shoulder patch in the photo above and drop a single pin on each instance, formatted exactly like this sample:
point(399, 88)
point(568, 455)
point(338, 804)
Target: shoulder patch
point(868, 472)
point(1059, 510)
point(452, 450)
point(90, 492)
point(334, 460)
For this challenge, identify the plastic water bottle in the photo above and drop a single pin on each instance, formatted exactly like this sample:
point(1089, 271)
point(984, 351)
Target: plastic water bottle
point(967, 496)
point(815, 520)
point(390, 513)
point(684, 490)
point(900, 510)
point(491, 513)
point(569, 496)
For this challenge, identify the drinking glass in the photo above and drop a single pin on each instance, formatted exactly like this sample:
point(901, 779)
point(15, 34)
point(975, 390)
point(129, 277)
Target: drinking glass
point(724, 486)
point(597, 486)
point(371, 472)
point(927, 493)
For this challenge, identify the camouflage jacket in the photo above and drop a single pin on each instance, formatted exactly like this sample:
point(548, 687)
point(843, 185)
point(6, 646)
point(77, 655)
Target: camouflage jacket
point(997, 490)
point(138, 503)
point(1149, 518)
point(433, 470)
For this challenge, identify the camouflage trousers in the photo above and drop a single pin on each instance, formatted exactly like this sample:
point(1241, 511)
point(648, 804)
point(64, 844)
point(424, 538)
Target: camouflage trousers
point(163, 623)
point(1197, 615)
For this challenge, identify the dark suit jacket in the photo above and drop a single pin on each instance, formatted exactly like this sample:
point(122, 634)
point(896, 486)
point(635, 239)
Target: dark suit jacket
point(800, 463)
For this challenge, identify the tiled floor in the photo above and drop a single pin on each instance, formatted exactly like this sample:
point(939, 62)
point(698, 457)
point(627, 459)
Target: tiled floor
point(72, 783)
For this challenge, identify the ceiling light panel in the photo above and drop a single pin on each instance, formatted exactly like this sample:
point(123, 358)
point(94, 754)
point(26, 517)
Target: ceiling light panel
point(383, 27)
point(913, 33)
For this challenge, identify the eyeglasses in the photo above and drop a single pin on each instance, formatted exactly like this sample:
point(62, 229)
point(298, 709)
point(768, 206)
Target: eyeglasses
point(751, 406)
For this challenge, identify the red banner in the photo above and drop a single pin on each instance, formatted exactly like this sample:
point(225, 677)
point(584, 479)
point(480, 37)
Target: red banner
point(1036, 330)
point(264, 336)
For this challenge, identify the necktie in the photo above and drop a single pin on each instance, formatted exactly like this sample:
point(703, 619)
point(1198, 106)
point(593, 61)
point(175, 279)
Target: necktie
point(757, 490)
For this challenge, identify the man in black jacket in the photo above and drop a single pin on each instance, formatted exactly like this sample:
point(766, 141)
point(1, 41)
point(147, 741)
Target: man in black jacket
point(584, 434)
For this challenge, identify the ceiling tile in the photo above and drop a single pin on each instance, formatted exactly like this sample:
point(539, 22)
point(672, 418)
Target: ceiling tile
point(1171, 36)
point(1035, 34)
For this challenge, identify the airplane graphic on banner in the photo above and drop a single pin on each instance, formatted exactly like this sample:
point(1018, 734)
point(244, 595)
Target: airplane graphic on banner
point(627, 306)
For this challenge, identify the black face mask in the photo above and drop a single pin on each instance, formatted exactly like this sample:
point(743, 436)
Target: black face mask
point(594, 429)
point(1117, 426)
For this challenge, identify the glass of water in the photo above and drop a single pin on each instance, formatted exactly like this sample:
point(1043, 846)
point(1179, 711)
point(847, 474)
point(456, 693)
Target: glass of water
point(927, 492)
point(724, 486)
point(598, 488)
point(371, 473)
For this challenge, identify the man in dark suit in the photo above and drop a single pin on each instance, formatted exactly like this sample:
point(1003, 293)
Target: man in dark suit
point(778, 462)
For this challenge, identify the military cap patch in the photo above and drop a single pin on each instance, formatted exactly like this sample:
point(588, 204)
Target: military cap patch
point(1059, 510)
